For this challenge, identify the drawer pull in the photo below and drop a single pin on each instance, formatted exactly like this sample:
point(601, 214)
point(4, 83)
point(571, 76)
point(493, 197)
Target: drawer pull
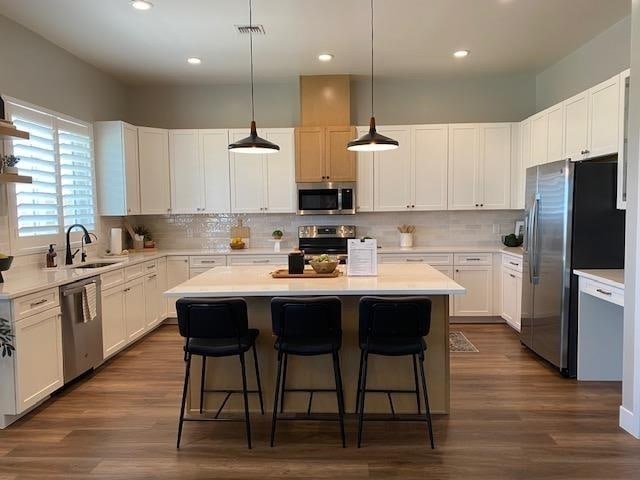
point(151, 277)
point(603, 292)
point(126, 289)
point(39, 302)
point(261, 261)
point(515, 263)
point(150, 267)
point(208, 261)
point(414, 259)
point(474, 259)
point(512, 275)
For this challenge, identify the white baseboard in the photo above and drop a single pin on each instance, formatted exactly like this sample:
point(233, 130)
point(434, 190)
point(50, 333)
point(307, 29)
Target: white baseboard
point(170, 321)
point(628, 422)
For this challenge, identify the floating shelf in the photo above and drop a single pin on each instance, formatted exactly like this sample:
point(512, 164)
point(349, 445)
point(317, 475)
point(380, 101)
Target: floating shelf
point(7, 132)
point(13, 178)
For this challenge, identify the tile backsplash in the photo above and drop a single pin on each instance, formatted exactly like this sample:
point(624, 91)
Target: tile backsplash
point(441, 228)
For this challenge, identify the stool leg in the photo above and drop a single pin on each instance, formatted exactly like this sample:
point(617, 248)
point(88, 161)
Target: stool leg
point(363, 391)
point(184, 397)
point(202, 378)
point(359, 381)
point(426, 401)
point(284, 381)
point(339, 394)
point(415, 378)
point(246, 400)
point(275, 400)
point(255, 362)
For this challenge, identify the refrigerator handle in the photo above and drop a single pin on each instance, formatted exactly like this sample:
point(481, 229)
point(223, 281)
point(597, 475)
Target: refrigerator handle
point(533, 238)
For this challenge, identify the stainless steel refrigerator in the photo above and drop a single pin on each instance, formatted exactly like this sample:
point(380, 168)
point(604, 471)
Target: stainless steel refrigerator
point(571, 223)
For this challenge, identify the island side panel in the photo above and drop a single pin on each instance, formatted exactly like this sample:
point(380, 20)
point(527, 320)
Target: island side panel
point(317, 372)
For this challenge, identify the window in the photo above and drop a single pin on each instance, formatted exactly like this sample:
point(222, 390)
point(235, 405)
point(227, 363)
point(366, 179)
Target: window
point(59, 158)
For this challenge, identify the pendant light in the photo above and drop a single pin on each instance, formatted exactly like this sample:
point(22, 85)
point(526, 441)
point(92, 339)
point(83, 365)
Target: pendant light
point(253, 143)
point(372, 141)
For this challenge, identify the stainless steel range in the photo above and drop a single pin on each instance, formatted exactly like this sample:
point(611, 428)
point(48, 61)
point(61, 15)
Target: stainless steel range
point(330, 239)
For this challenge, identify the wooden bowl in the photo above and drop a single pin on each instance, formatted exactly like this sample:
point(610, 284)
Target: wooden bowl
point(323, 267)
point(237, 246)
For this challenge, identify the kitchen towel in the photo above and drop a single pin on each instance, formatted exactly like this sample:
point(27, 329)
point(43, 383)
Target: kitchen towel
point(89, 302)
point(116, 241)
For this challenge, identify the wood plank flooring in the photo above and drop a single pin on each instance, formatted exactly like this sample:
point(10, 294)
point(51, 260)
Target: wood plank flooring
point(512, 418)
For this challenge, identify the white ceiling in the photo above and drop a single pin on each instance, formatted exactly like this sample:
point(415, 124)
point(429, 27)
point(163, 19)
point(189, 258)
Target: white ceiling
point(413, 37)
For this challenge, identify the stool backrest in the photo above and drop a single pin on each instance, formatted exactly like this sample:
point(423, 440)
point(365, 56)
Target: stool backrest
point(306, 317)
point(212, 317)
point(394, 317)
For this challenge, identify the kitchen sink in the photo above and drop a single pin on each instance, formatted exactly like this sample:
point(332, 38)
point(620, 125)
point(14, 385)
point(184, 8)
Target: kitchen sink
point(94, 265)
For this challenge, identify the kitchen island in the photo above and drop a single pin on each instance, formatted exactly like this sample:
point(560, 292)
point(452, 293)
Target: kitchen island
point(255, 284)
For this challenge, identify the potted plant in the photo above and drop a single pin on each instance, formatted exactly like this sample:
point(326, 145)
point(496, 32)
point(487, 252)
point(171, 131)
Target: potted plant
point(6, 338)
point(277, 234)
point(146, 236)
point(8, 164)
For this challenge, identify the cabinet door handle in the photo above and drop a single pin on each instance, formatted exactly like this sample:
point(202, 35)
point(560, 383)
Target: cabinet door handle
point(512, 275)
point(603, 292)
point(149, 267)
point(151, 277)
point(414, 259)
point(514, 263)
point(126, 290)
point(413, 206)
point(477, 204)
point(39, 302)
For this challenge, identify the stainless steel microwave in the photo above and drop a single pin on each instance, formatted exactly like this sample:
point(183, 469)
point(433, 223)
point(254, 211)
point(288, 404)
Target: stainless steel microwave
point(327, 198)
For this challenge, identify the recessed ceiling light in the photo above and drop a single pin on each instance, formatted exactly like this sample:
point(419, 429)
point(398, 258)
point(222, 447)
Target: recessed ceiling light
point(194, 61)
point(325, 57)
point(461, 53)
point(141, 4)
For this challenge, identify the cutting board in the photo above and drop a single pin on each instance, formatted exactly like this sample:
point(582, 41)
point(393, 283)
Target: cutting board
point(308, 273)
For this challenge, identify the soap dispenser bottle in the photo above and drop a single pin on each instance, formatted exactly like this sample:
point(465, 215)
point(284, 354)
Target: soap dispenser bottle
point(51, 256)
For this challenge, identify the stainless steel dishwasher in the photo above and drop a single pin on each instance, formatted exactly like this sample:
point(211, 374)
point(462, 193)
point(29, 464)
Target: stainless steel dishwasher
point(81, 341)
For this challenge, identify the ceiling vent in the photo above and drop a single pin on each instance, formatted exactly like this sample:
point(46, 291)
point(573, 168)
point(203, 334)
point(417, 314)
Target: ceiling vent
point(247, 29)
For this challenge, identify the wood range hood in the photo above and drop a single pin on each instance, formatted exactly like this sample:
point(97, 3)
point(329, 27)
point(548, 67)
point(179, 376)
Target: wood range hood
point(324, 130)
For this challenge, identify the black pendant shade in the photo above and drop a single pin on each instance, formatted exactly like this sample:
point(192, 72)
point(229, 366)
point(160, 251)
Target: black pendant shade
point(253, 143)
point(372, 141)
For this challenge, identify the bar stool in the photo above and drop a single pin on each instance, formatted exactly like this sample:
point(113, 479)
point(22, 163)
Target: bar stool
point(392, 327)
point(217, 327)
point(306, 327)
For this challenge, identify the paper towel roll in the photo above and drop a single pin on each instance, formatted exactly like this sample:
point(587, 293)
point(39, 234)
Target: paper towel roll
point(116, 241)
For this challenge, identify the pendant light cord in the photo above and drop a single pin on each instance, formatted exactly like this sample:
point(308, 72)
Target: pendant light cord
point(371, 58)
point(251, 57)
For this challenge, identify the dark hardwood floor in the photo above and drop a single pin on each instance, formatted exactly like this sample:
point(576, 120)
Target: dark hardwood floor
point(512, 418)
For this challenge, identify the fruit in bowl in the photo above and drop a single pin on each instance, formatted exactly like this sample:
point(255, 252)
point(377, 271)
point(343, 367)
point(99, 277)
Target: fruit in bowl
point(323, 264)
point(237, 244)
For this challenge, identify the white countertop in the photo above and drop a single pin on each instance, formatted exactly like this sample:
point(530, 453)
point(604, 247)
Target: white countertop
point(610, 277)
point(256, 281)
point(23, 281)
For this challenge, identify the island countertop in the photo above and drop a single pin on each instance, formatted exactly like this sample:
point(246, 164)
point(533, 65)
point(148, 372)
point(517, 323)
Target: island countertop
point(256, 281)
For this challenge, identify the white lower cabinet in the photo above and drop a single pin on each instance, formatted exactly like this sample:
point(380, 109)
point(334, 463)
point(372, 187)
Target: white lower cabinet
point(511, 297)
point(38, 361)
point(478, 280)
point(448, 271)
point(134, 308)
point(114, 328)
point(151, 308)
point(257, 260)
point(162, 287)
point(177, 272)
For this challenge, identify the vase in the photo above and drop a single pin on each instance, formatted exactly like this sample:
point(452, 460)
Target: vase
point(406, 240)
point(11, 170)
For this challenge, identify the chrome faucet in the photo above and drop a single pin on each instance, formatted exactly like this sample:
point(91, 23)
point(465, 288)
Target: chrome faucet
point(86, 239)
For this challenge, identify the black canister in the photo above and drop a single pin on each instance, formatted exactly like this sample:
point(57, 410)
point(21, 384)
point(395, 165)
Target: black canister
point(296, 263)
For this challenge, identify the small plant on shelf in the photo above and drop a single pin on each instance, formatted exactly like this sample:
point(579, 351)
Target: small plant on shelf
point(8, 163)
point(277, 234)
point(142, 231)
point(6, 338)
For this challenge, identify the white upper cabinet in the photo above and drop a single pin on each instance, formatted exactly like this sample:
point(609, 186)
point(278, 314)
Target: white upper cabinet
point(539, 136)
point(392, 172)
point(429, 162)
point(153, 153)
point(604, 104)
point(464, 142)
point(479, 166)
point(365, 172)
point(576, 126)
point(520, 161)
point(264, 183)
point(117, 168)
point(280, 172)
point(214, 154)
point(187, 182)
point(199, 171)
point(555, 142)
point(495, 166)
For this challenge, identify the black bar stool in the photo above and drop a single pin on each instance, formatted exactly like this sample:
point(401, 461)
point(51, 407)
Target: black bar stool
point(217, 327)
point(392, 327)
point(306, 327)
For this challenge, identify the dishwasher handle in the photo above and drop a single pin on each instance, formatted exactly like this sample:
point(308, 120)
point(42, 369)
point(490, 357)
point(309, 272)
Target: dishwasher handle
point(72, 291)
